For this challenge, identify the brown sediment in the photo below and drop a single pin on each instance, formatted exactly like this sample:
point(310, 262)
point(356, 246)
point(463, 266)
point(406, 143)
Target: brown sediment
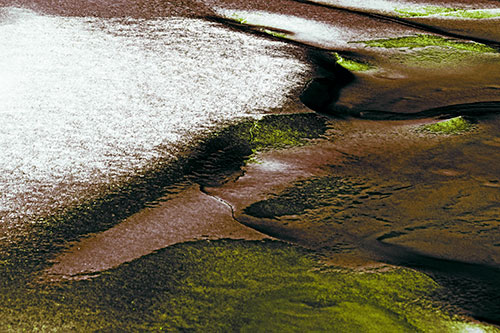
point(194, 214)
point(190, 215)
point(115, 8)
point(421, 200)
point(403, 90)
point(274, 171)
point(422, 197)
point(406, 215)
point(374, 152)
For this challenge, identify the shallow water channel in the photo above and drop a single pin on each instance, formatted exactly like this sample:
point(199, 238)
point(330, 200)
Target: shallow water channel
point(123, 125)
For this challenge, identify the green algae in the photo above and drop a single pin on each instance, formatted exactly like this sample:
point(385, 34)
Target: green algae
point(230, 148)
point(479, 14)
point(283, 131)
point(352, 65)
point(274, 33)
point(238, 19)
point(227, 286)
point(434, 56)
point(423, 40)
point(455, 125)
point(424, 11)
point(445, 11)
point(277, 131)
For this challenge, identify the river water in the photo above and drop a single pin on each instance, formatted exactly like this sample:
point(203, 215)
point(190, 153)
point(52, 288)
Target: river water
point(91, 97)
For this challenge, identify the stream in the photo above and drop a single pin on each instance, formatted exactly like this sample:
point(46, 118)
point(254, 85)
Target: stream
point(107, 109)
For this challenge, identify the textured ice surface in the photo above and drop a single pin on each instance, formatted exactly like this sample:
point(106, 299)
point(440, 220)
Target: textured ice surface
point(86, 101)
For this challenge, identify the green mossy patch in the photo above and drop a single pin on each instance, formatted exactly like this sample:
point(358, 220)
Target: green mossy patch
point(422, 40)
point(275, 33)
point(227, 286)
point(278, 131)
point(424, 11)
point(445, 11)
point(228, 150)
point(238, 19)
point(352, 65)
point(435, 56)
point(455, 125)
point(474, 14)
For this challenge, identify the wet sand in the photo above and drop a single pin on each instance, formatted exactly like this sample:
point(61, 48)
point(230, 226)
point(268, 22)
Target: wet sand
point(190, 215)
point(418, 200)
point(412, 198)
point(425, 187)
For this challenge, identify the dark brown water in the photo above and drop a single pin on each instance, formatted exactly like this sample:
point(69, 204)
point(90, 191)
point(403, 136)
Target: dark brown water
point(402, 196)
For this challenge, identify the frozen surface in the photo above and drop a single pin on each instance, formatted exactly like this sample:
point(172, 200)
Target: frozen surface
point(87, 101)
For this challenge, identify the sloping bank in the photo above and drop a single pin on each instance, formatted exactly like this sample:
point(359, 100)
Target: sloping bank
point(218, 285)
point(206, 161)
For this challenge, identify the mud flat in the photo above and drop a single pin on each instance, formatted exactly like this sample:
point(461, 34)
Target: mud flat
point(380, 213)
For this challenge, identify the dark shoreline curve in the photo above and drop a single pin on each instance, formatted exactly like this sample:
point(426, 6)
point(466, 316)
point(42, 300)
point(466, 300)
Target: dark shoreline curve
point(405, 22)
point(455, 277)
point(454, 110)
point(330, 78)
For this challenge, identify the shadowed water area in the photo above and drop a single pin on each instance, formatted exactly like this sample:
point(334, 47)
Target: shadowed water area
point(131, 126)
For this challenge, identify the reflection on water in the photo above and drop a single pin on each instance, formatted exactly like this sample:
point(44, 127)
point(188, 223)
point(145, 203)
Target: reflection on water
point(86, 101)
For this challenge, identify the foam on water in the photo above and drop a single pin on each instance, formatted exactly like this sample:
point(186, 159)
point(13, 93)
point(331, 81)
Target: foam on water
point(377, 5)
point(335, 35)
point(87, 101)
point(392, 5)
